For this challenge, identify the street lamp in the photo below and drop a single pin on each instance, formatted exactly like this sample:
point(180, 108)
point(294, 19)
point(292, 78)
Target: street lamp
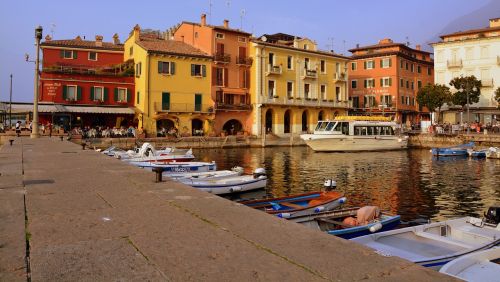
point(467, 89)
point(34, 123)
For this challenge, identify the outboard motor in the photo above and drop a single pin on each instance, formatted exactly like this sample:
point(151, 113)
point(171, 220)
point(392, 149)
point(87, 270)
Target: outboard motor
point(330, 184)
point(493, 215)
point(259, 172)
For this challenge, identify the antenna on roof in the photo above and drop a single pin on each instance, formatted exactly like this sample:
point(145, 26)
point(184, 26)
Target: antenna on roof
point(243, 12)
point(52, 28)
point(228, 3)
point(407, 41)
point(330, 46)
point(343, 50)
point(209, 11)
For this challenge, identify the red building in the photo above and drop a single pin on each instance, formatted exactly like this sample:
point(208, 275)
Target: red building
point(88, 83)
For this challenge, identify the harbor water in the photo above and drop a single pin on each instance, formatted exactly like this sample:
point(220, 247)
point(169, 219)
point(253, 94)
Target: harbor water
point(411, 183)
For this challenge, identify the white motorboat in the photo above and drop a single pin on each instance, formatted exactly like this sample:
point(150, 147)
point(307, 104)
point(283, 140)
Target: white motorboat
point(111, 151)
point(229, 185)
point(483, 266)
point(178, 167)
point(493, 153)
point(147, 153)
point(210, 175)
point(435, 244)
point(355, 133)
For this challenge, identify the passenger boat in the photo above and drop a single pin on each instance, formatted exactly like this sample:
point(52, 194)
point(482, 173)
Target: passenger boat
point(435, 244)
point(209, 175)
point(493, 153)
point(301, 204)
point(227, 185)
point(350, 223)
point(477, 153)
point(460, 150)
point(178, 167)
point(355, 133)
point(483, 266)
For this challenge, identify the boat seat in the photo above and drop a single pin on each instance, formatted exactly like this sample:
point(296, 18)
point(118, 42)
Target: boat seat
point(340, 223)
point(442, 239)
point(291, 205)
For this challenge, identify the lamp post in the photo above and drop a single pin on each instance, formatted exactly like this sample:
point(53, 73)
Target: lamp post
point(10, 104)
point(34, 123)
point(467, 89)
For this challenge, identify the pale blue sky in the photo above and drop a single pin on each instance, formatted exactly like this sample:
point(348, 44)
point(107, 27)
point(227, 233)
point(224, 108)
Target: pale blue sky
point(362, 21)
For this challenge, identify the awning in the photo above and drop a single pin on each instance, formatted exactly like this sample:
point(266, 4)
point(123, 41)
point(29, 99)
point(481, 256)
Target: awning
point(99, 110)
point(55, 108)
point(28, 108)
point(236, 91)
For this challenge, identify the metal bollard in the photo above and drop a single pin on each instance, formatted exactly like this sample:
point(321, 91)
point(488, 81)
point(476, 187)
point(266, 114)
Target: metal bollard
point(83, 146)
point(11, 141)
point(62, 137)
point(159, 173)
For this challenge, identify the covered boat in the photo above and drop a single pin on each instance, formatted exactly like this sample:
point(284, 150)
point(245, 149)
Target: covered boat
point(459, 150)
point(178, 167)
point(493, 153)
point(483, 266)
point(435, 244)
point(350, 223)
point(477, 153)
point(301, 204)
point(208, 175)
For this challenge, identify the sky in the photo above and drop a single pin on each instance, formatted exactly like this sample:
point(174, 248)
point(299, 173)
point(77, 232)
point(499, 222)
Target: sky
point(341, 23)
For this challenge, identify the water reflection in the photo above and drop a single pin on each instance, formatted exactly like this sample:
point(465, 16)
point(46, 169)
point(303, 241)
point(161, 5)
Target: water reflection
point(410, 183)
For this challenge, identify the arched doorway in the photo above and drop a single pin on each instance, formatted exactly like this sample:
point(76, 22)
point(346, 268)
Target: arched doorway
point(287, 121)
point(304, 121)
point(232, 126)
point(196, 127)
point(269, 121)
point(320, 115)
point(164, 126)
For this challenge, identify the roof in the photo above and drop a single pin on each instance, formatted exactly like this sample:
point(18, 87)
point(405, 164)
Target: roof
point(471, 31)
point(386, 45)
point(324, 53)
point(219, 27)
point(85, 44)
point(57, 108)
point(172, 47)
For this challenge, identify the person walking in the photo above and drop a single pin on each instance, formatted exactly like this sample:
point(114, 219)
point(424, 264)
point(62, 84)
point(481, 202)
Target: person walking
point(18, 128)
point(50, 129)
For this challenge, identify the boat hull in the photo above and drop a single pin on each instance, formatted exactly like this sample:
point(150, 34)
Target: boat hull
point(229, 185)
point(327, 143)
point(387, 224)
point(478, 266)
point(179, 167)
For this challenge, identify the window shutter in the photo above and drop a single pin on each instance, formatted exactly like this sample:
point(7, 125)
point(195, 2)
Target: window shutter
point(364, 64)
point(160, 67)
point(105, 94)
point(192, 70)
point(116, 94)
point(390, 80)
point(61, 54)
point(92, 93)
point(390, 62)
point(65, 95)
point(381, 63)
point(138, 97)
point(129, 96)
point(75, 55)
point(172, 67)
point(214, 76)
point(204, 70)
point(78, 93)
point(247, 73)
point(381, 82)
point(366, 84)
point(226, 77)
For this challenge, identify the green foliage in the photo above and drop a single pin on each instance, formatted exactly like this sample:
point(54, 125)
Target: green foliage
point(464, 85)
point(497, 96)
point(433, 96)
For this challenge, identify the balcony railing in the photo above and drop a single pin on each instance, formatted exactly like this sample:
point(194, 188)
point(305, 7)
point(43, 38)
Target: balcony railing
point(308, 73)
point(233, 107)
point(118, 70)
point(312, 102)
point(273, 69)
point(222, 58)
point(245, 61)
point(454, 64)
point(340, 76)
point(487, 82)
point(183, 108)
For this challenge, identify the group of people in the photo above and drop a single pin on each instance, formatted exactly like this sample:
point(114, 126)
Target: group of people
point(163, 132)
point(106, 132)
point(474, 127)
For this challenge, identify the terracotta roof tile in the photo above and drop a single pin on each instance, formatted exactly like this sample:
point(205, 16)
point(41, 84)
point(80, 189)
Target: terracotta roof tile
point(471, 31)
point(219, 27)
point(319, 52)
point(86, 44)
point(385, 45)
point(170, 47)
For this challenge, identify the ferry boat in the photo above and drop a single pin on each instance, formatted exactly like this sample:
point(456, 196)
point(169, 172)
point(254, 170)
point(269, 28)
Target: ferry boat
point(355, 133)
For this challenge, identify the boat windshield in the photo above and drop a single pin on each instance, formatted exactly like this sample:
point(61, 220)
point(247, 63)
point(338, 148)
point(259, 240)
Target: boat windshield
point(321, 126)
point(342, 127)
point(330, 126)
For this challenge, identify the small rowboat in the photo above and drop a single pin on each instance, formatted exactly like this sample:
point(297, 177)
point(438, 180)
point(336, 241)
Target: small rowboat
point(483, 266)
point(460, 150)
point(301, 204)
point(178, 167)
point(227, 185)
point(209, 175)
point(349, 223)
point(477, 153)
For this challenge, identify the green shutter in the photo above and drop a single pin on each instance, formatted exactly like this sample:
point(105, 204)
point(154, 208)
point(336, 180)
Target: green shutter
point(390, 80)
point(61, 54)
point(381, 82)
point(390, 62)
point(364, 64)
point(129, 96)
point(197, 102)
point(381, 63)
point(116, 95)
point(172, 68)
point(75, 55)
point(78, 93)
point(160, 67)
point(192, 69)
point(138, 97)
point(92, 93)
point(203, 70)
point(366, 83)
point(65, 95)
point(105, 94)
point(165, 101)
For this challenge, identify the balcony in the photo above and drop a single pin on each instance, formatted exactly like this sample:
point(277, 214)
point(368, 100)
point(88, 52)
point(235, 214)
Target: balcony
point(454, 64)
point(308, 102)
point(273, 70)
point(487, 82)
point(120, 70)
point(340, 76)
point(232, 107)
point(182, 108)
point(222, 58)
point(308, 73)
point(244, 61)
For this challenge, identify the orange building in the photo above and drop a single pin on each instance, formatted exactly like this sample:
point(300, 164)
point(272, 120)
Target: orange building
point(230, 70)
point(385, 78)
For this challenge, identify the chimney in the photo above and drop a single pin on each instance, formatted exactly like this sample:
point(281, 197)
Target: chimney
point(226, 24)
point(48, 38)
point(385, 41)
point(357, 45)
point(495, 22)
point(116, 39)
point(137, 32)
point(418, 47)
point(98, 40)
point(78, 38)
point(203, 19)
point(182, 38)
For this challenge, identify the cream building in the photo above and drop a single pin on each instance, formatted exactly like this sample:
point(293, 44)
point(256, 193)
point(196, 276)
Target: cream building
point(473, 52)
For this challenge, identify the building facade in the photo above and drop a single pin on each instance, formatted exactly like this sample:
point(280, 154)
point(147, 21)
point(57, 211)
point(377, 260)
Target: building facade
point(89, 82)
point(294, 85)
point(172, 84)
point(473, 52)
point(385, 79)
point(230, 71)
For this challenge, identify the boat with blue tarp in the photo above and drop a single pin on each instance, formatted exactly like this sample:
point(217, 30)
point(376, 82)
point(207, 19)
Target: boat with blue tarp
point(459, 150)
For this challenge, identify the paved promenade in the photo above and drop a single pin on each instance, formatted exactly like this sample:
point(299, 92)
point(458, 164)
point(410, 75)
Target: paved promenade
point(94, 218)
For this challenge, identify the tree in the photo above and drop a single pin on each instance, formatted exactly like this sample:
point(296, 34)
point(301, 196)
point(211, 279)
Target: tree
point(434, 96)
point(497, 96)
point(466, 85)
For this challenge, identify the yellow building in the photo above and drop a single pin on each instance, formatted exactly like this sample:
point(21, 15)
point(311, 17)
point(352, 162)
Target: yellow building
point(294, 85)
point(172, 84)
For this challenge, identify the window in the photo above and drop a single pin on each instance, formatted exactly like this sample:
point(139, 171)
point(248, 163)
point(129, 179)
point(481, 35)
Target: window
point(338, 94)
point(406, 65)
point(68, 54)
point(354, 84)
point(97, 93)
point(307, 90)
point(289, 62)
point(412, 67)
point(219, 35)
point(289, 89)
point(419, 69)
point(401, 64)
point(306, 63)
point(198, 70)
point(138, 97)
point(407, 84)
point(403, 100)
point(401, 82)
point(386, 82)
point(271, 59)
point(429, 71)
point(355, 102)
point(166, 67)
point(121, 95)
point(354, 66)
point(197, 102)
point(419, 84)
point(412, 85)
point(385, 63)
point(219, 76)
point(369, 101)
point(323, 66)
point(322, 89)
point(242, 39)
point(369, 83)
point(484, 52)
point(306, 47)
point(386, 100)
point(131, 50)
point(165, 101)
point(70, 93)
point(271, 88)
point(196, 34)
point(469, 53)
point(92, 56)
point(138, 69)
point(369, 65)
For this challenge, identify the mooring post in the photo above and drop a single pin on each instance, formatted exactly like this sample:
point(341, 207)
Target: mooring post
point(159, 173)
point(11, 141)
point(62, 137)
point(83, 145)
